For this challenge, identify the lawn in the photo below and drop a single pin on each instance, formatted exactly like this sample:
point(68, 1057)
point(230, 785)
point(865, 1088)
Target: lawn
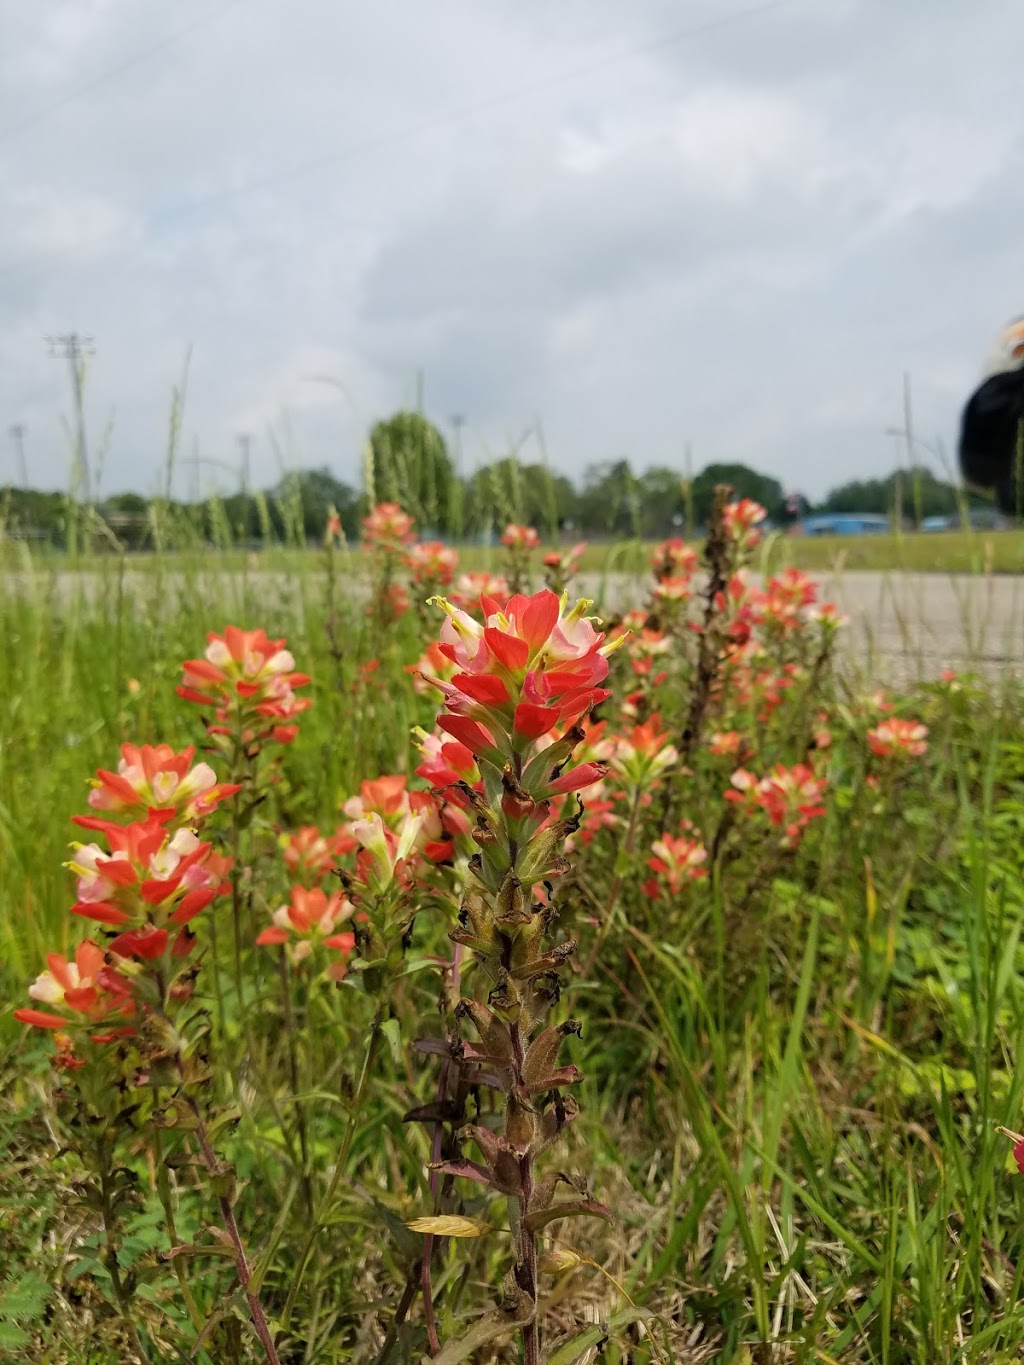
point(784, 913)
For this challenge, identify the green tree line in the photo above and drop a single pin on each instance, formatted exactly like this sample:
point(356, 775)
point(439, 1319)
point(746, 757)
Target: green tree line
point(408, 461)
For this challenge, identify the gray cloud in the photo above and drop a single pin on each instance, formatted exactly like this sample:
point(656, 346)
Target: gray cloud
point(739, 238)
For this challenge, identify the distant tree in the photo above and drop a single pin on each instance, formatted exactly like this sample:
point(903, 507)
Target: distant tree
point(745, 482)
point(509, 491)
point(306, 496)
point(610, 502)
point(859, 495)
point(662, 504)
point(918, 492)
point(410, 465)
point(29, 513)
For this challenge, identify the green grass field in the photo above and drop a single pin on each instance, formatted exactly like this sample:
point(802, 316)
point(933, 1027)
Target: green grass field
point(795, 1068)
point(999, 552)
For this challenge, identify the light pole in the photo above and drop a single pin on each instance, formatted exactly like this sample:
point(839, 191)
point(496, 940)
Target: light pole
point(17, 433)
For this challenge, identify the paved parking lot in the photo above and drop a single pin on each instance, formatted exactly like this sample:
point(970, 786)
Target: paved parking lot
point(905, 626)
point(902, 626)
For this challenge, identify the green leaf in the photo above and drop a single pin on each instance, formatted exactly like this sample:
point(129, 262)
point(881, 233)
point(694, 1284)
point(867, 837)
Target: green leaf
point(485, 1330)
point(85, 1266)
point(392, 1032)
point(418, 964)
point(568, 1208)
point(11, 1337)
point(578, 1345)
point(27, 1299)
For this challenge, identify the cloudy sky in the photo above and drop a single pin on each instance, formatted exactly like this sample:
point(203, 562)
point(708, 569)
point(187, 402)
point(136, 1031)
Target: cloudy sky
point(728, 224)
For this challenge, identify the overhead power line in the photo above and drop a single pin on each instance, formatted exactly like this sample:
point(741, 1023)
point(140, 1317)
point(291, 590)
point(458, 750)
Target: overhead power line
point(453, 118)
point(146, 55)
point(465, 112)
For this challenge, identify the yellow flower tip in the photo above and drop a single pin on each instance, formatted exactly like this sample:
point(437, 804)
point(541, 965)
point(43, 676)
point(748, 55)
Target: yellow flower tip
point(579, 610)
point(613, 645)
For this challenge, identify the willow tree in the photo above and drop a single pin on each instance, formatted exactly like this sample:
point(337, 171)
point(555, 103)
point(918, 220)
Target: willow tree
point(409, 464)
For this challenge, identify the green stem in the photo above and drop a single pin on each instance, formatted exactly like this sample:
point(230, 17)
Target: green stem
point(236, 902)
point(340, 1168)
point(526, 1241)
point(293, 1076)
point(121, 1292)
point(625, 859)
point(163, 1186)
point(259, 1318)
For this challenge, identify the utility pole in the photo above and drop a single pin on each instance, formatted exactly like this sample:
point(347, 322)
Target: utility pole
point(75, 349)
point(17, 432)
point(245, 446)
point(908, 432)
point(458, 421)
point(196, 490)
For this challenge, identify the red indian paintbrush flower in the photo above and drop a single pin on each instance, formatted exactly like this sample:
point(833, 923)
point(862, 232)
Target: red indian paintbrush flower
point(529, 673)
point(677, 859)
point(432, 562)
point(674, 559)
point(517, 537)
point(526, 670)
point(310, 855)
point(388, 527)
point(562, 565)
point(567, 561)
point(644, 754)
point(153, 777)
point(790, 797)
point(150, 878)
point(446, 762)
point(86, 989)
point(896, 738)
point(726, 743)
point(312, 919)
point(471, 588)
point(741, 520)
point(783, 606)
point(389, 798)
point(247, 678)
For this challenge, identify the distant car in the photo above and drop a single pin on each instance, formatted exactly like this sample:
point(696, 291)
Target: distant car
point(847, 524)
point(978, 518)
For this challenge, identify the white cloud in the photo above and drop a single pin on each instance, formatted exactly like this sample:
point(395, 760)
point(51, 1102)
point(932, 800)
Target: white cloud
point(741, 237)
